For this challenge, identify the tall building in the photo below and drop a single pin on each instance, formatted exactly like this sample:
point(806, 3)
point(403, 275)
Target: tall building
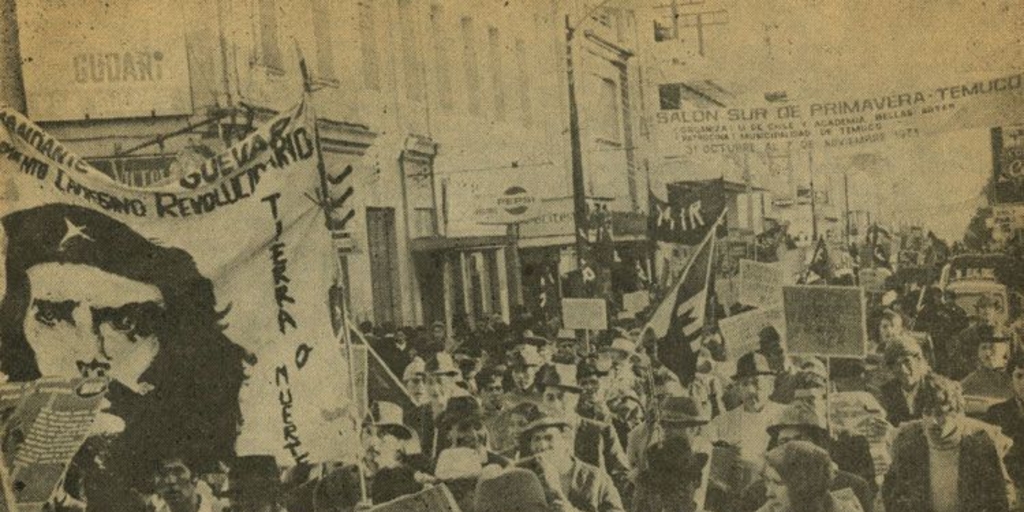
point(443, 111)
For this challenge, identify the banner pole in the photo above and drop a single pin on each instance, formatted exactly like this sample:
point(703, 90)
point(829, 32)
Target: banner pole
point(828, 395)
point(346, 337)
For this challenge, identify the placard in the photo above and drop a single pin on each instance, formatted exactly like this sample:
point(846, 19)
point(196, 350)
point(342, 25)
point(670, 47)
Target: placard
point(635, 302)
point(590, 314)
point(829, 321)
point(760, 284)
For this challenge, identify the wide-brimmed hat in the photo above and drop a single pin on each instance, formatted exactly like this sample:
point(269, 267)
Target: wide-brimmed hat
point(529, 338)
point(442, 364)
point(672, 461)
point(254, 477)
point(459, 408)
point(560, 376)
point(542, 416)
point(525, 355)
point(752, 364)
point(798, 415)
point(683, 410)
point(514, 490)
point(387, 414)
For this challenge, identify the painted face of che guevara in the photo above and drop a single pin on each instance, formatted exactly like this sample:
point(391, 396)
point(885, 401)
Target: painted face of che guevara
point(85, 321)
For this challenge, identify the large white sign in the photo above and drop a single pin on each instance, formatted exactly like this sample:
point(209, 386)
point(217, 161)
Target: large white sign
point(93, 59)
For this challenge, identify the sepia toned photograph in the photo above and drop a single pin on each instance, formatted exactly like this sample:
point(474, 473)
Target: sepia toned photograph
point(511, 256)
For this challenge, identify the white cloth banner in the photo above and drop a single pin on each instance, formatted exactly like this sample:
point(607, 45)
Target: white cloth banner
point(200, 300)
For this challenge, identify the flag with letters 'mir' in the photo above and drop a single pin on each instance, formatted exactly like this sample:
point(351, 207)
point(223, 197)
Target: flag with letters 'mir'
point(203, 301)
point(679, 319)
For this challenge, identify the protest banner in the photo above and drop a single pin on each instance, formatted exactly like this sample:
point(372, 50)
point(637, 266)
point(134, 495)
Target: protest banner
point(44, 423)
point(760, 284)
point(828, 321)
point(222, 278)
point(589, 314)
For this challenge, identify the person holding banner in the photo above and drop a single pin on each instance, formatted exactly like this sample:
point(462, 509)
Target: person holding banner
point(87, 295)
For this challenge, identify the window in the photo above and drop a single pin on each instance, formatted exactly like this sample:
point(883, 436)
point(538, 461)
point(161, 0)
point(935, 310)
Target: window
point(442, 64)
point(368, 46)
point(270, 52)
point(677, 96)
point(523, 72)
point(470, 65)
point(410, 51)
point(322, 23)
point(419, 189)
point(497, 80)
point(609, 123)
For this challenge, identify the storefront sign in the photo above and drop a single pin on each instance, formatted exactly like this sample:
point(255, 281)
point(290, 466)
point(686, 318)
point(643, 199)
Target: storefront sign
point(130, 63)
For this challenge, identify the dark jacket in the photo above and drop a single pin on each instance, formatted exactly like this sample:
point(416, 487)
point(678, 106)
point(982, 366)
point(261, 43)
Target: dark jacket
point(392, 483)
point(981, 486)
point(598, 444)
point(754, 496)
point(1009, 417)
point(895, 405)
point(590, 489)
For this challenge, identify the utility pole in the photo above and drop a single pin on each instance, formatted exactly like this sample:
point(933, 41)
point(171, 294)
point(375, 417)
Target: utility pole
point(814, 210)
point(579, 192)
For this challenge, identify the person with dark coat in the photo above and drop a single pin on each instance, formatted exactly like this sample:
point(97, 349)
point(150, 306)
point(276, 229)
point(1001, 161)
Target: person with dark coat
point(946, 462)
point(1009, 416)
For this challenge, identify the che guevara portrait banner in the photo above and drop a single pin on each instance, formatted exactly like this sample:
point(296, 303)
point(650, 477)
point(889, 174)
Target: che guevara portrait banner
point(204, 302)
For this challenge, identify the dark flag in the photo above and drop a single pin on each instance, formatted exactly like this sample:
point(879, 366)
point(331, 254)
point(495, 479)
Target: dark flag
point(686, 217)
point(678, 321)
point(880, 240)
point(821, 264)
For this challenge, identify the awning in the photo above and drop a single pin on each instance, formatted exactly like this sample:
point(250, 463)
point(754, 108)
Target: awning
point(463, 243)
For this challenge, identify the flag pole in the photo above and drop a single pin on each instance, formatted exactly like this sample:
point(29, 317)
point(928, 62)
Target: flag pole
point(307, 87)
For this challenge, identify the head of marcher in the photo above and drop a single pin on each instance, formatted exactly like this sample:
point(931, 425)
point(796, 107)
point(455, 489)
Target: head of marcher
point(993, 348)
point(771, 346)
point(620, 351)
point(1016, 370)
point(386, 440)
point(906, 359)
point(490, 386)
point(254, 484)
point(942, 408)
point(673, 475)
point(756, 379)
point(560, 389)
point(415, 379)
point(443, 378)
point(175, 483)
point(890, 326)
point(461, 425)
point(797, 477)
point(565, 347)
point(513, 490)
point(525, 363)
point(590, 374)
point(549, 435)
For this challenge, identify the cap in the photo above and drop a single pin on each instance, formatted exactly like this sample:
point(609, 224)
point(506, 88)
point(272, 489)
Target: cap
point(561, 376)
point(683, 410)
point(752, 364)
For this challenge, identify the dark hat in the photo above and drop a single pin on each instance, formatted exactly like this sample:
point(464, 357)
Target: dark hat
point(542, 416)
point(683, 410)
point(530, 338)
point(798, 415)
point(254, 476)
point(561, 376)
point(591, 368)
point(514, 490)
point(458, 409)
point(673, 461)
point(338, 490)
point(752, 364)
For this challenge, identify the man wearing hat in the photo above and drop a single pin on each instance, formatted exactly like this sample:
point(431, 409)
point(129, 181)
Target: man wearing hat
point(569, 483)
point(596, 443)
point(674, 479)
point(524, 365)
point(799, 423)
point(514, 490)
point(898, 397)
point(989, 379)
point(415, 380)
point(591, 375)
point(462, 426)
point(745, 427)
point(178, 489)
point(621, 352)
point(389, 446)
point(442, 384)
